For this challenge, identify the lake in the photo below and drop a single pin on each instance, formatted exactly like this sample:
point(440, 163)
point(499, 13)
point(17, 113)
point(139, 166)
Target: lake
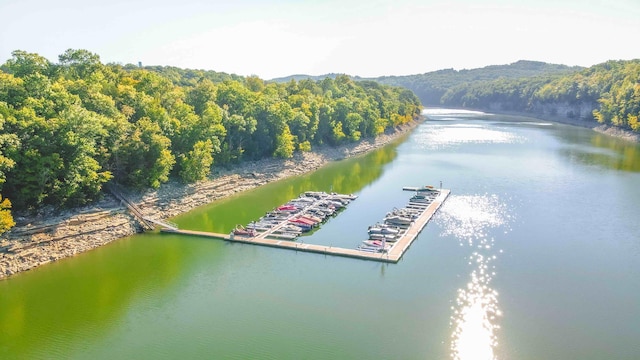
point(535, 255)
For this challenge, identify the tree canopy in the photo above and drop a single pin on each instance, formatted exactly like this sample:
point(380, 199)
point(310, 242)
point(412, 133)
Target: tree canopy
point(610, 90)
point(68, 128)
point(431, 86)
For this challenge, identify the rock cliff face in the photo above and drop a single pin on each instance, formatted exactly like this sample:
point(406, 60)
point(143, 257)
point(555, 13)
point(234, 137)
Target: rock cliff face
point(579, 113)
point(582, 111)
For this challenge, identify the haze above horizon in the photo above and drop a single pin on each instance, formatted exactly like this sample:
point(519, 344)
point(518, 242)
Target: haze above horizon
point(365, 38)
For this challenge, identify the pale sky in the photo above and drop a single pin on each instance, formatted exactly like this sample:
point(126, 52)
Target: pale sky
point(368, 38)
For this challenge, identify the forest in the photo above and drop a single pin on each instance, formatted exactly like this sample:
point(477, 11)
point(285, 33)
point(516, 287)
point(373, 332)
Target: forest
point(432, 86)
point(611, 90)
point(68, 128)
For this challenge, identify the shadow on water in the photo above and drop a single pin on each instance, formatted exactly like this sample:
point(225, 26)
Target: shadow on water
point(76, 300)
point(346, 177)
point(59, 308)
point(604, 151)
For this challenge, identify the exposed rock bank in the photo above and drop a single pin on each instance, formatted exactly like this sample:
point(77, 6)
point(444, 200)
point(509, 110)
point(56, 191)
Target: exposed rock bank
point(51, 236)
point(579, 114)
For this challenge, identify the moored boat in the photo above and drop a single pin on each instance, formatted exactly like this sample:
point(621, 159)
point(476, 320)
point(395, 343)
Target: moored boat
point(364, 247)
point(387, 237)
point(383, 229)
point(378, 243)
point(290, 228)
point(242, 231)
point(287, 208)
point(421, 199)
point(303, 220)
point(424, 188)
point(305, 226)
point(309, 209)
point(398, 220)
point(316, 194)
point(310, 217)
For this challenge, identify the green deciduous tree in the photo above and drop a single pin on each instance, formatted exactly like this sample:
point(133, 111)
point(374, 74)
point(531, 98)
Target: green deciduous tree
point(196, 164)
point(57, 159)
point(79, 64)
point(284, 144)
point(9, 144)
point(201, 96)
point(352, 124)
point(238, 133)
point(12, 90)
point(68, 128)
point(23, 64)
point(6, 219)
point(144, 156)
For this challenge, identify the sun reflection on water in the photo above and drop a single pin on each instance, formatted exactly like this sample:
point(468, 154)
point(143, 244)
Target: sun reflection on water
point(475, 313)
point(438, 137)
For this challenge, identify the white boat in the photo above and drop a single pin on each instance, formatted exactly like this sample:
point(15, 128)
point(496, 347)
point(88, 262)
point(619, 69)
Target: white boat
point(425, 188)
point(406, 212)
point(420, 199)
point(376, 243)
point(386, 237)
point(364, 247)
point(285, 236)
point(348, 197)
point(242, 231)
point(289, 228)
point(315, 194)
point(373, 243)
point(383, 229)
point(398, 220)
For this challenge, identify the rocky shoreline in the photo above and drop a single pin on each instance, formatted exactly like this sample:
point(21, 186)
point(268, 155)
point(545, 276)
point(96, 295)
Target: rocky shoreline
point(51, 236)
point(595, 126)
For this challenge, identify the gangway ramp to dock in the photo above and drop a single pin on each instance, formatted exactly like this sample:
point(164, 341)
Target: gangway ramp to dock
point(162, 223)
point(392, 256)
point(146, 222)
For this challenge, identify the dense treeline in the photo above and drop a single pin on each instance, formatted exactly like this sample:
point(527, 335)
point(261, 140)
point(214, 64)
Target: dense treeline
point(611, 92)
point(431, 86)
point(68, 128)
point(608, 92)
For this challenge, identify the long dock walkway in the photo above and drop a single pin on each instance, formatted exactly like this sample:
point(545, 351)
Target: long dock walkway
point(392, 256)
point(135, 210)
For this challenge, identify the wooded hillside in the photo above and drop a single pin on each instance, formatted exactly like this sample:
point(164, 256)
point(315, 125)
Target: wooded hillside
point(431, 86)
point(610, 93)
point(68, 128)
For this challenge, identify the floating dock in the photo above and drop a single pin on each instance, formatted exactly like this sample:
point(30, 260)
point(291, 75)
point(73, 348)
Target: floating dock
point(392, 256)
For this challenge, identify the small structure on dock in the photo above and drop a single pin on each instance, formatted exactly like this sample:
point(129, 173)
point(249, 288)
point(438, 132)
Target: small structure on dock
point(426, 188)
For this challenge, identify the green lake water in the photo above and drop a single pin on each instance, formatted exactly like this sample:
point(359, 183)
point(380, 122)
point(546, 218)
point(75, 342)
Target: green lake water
point(535, 255)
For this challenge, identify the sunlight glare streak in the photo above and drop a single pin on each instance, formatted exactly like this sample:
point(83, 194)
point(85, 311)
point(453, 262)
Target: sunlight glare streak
point(450, 112)
point(468, 219)
point(438, 137)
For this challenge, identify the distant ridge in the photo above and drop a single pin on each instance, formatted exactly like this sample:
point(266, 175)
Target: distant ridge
point(298, 77)
point(431, 86)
